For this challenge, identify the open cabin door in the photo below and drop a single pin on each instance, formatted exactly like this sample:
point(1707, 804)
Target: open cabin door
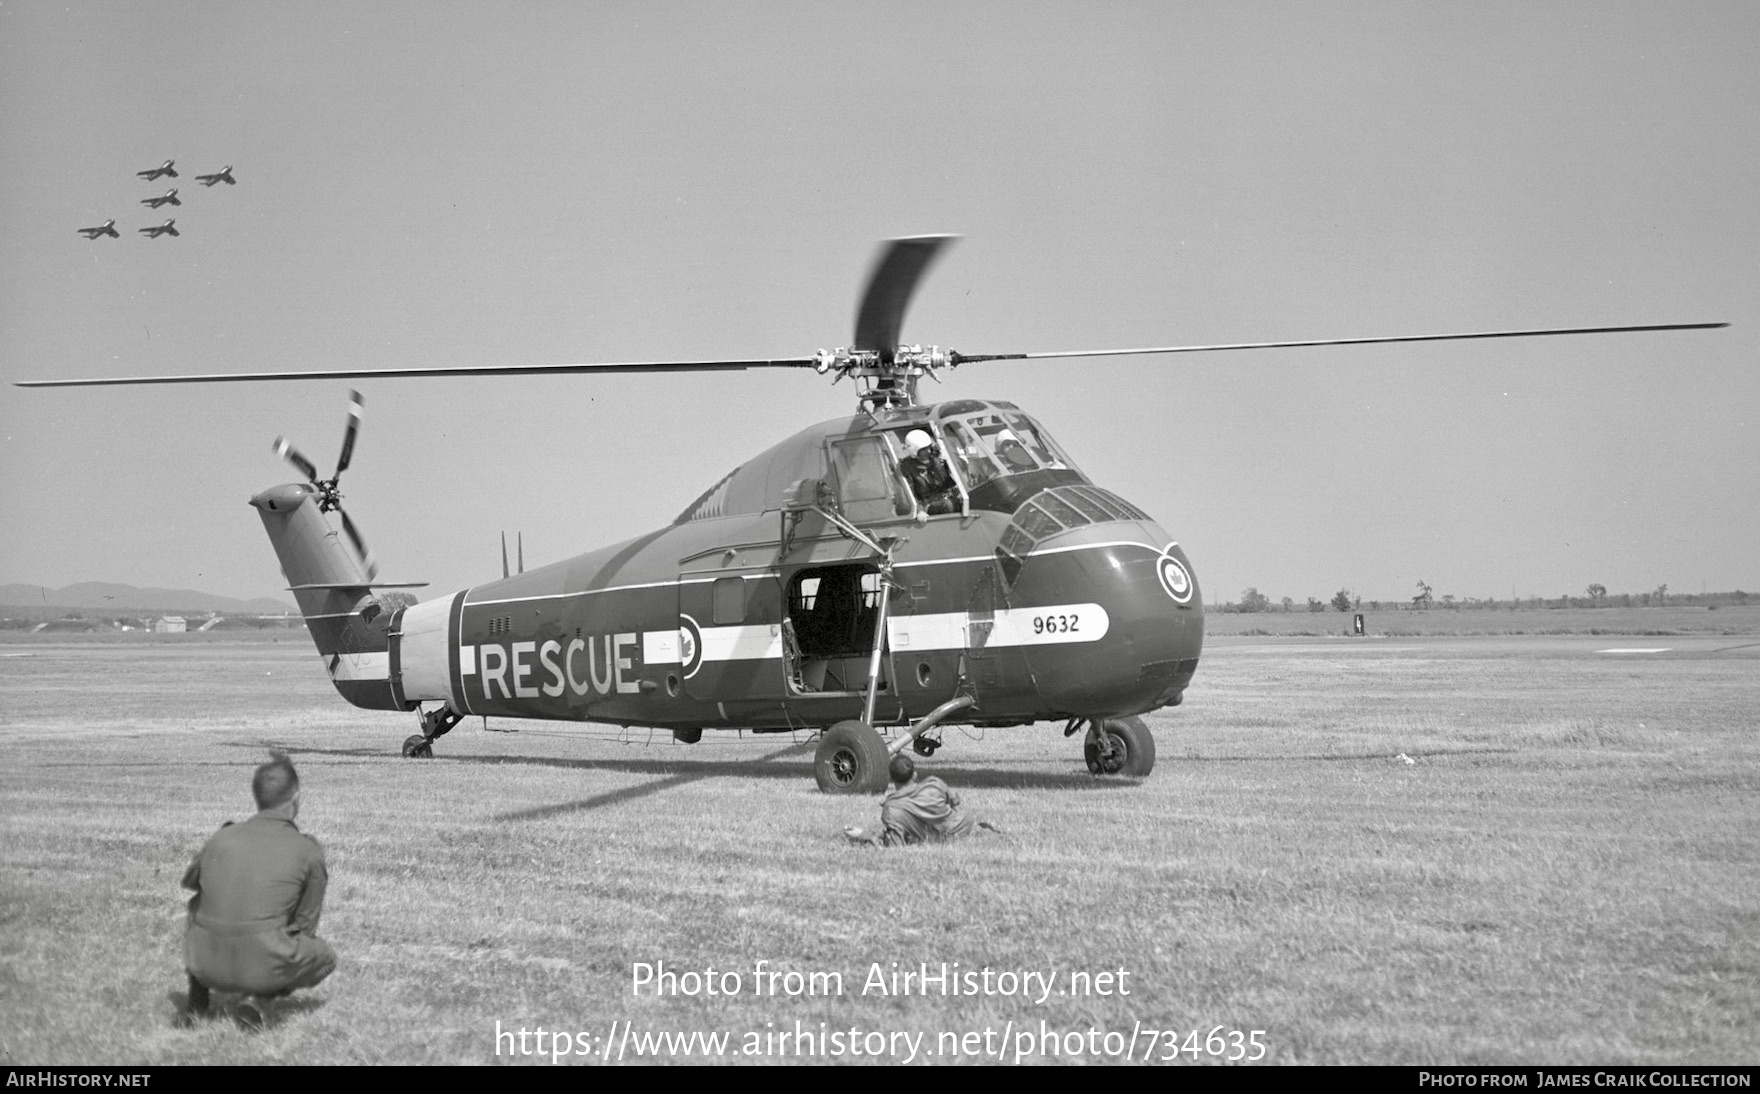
point(831, 613)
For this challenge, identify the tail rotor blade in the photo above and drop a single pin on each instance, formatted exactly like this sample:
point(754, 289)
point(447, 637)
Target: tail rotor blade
point(356, 406)
point(360, 545)
point(901, 265)
point(291, 455)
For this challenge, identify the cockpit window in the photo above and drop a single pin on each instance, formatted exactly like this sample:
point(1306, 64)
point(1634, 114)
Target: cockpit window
point(1038, 442)
point(869, 484)
point(971, 457)
point(1002, 456)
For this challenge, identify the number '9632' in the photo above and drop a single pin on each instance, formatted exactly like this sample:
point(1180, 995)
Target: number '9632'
point(1055, 624)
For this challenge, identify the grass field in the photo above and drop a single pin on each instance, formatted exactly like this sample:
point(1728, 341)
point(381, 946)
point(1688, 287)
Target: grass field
point(1566, 871)
point(1729, 620)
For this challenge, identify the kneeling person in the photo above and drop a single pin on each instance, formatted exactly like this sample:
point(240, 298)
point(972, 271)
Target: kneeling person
point(253, 923)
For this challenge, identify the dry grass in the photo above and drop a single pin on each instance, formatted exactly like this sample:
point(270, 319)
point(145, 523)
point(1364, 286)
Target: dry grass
point(1566, 872)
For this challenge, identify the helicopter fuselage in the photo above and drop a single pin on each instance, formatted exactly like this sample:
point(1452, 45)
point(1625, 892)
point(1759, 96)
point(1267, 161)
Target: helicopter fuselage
point(1039, 596)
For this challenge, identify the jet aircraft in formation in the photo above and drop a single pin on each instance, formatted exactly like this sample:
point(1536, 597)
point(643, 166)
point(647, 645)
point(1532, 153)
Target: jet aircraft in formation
point(168, 169)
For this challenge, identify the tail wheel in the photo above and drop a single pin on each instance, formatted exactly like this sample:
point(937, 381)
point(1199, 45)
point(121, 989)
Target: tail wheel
point(852, 759)
point(1131, 751)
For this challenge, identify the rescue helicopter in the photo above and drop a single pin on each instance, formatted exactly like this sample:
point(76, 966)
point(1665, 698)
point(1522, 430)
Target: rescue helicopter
point(909, 567)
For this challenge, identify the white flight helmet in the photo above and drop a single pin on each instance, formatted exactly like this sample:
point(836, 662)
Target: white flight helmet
point(917, 440)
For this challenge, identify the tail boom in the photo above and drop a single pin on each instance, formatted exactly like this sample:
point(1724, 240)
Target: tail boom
point(335, 596)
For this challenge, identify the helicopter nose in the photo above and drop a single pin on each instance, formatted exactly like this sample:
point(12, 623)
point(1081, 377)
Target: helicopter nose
point(1152, 613)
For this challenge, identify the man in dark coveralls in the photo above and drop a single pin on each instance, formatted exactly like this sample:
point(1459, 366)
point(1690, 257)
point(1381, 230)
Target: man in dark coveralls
point(917, 810)
point(253, 923)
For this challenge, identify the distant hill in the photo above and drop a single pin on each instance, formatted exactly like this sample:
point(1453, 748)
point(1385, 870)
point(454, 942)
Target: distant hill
point(104, 596)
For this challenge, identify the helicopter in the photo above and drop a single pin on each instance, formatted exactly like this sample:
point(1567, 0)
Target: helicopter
point(816, 586)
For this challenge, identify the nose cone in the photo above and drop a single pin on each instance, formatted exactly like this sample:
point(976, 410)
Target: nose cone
point(282, 499)
point(1153, 613)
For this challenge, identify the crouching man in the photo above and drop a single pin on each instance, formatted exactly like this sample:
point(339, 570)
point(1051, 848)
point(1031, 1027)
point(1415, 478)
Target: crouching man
point(917, 810)
point(253, 923)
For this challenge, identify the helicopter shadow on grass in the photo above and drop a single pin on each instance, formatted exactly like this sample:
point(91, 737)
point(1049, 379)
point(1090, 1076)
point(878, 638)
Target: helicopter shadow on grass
point(768, 767)
point(781, 764)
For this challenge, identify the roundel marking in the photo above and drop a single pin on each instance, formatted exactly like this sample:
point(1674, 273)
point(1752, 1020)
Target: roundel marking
point(690, 646)
point(1176, 580)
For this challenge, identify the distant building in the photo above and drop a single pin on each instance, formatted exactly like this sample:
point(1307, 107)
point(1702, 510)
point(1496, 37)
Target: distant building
point(170, 624)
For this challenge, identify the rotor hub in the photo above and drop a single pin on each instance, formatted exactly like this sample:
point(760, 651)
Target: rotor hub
point(885, 380)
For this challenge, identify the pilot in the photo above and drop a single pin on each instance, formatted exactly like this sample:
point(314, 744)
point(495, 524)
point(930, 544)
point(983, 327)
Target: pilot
point(253, 923)
point(918, 811)
point(1012, 453)
point(930, 479)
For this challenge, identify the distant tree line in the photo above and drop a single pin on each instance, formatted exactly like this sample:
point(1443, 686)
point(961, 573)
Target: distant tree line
point(1594, 596)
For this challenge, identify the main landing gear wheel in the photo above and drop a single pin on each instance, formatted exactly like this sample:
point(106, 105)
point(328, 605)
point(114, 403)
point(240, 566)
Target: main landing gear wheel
point(418, 747)
point(1131, 748)
point(852, 759)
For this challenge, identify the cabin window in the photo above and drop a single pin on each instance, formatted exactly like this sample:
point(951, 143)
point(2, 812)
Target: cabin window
point(729, 600)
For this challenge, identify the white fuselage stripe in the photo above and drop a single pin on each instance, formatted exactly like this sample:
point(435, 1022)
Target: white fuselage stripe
point(469, 603)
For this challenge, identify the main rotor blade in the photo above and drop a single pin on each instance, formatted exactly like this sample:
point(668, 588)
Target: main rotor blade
point(896, 273)
point(356, 405)
point(438, 370)
point(291, 455)
point(360, 545)
point(962, 358)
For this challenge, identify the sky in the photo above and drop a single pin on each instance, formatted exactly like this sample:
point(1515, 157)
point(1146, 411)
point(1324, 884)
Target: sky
point(529, 183)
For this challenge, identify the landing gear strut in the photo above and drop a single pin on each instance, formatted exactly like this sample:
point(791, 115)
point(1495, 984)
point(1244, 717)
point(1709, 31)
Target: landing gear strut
point(435, 723)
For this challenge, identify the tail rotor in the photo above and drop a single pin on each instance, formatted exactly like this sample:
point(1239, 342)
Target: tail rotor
point(329, 492)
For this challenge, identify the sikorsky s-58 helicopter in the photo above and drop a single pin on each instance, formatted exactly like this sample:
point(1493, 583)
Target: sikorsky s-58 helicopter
point(819, 585)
